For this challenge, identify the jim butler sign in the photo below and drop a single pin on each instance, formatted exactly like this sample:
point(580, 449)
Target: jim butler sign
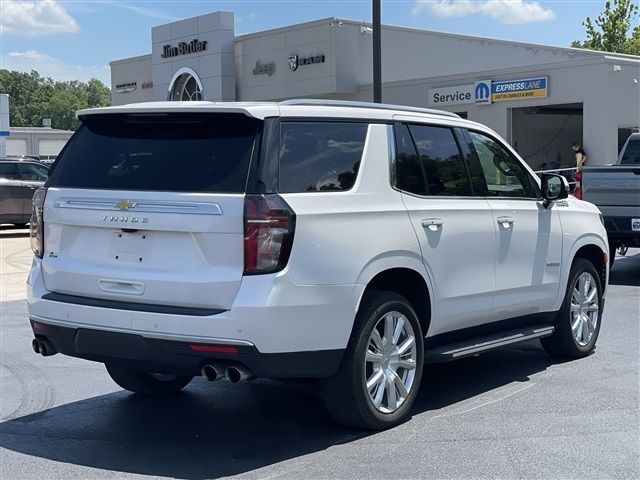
point(183, 48)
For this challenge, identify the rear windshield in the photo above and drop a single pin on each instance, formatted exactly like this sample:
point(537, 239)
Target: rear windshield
point(631, 154)
point(179, 152)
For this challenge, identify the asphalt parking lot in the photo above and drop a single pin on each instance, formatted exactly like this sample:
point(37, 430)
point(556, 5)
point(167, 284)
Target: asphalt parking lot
point(515, 413)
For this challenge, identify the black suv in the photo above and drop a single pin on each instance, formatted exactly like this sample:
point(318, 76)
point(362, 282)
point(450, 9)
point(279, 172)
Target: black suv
point(18, 181)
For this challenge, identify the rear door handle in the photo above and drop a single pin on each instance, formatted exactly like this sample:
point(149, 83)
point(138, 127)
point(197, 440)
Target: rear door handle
point(506, 222)
point(432, 224)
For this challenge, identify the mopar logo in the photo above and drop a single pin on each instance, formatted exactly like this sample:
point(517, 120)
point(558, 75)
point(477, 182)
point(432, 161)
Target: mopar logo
point(482, 91)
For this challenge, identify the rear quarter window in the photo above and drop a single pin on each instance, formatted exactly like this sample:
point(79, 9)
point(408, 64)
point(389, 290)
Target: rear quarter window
point(320, 156)
point(180, 152)
point(9, 171)
point(631, 154)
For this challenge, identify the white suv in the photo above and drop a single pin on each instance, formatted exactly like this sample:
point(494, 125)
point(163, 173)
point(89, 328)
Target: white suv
point(348, 242)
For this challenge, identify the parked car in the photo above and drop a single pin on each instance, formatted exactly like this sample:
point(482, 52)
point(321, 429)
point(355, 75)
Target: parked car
point(19, 178)
point(615, 189)
point(24, 157)
point(345, 242)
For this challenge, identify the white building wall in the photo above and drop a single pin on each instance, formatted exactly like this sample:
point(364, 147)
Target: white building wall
point(214, 66)
point(590, 81)
point(408, 54)
point(4, 123)
point(413, 61)
point(337, 74)
point(621, 91)
point(132, 70)
point(28, 140)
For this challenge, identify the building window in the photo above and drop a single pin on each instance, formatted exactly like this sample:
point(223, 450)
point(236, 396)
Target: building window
point(185, 86)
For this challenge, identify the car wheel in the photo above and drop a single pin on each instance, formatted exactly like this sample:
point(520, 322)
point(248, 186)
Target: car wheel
point(578, 321)
point(148, 383)
point(378, 379)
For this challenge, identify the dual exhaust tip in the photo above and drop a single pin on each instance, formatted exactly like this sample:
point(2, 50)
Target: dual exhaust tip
point(233, 373)
point(212, 372)
point(43, 347)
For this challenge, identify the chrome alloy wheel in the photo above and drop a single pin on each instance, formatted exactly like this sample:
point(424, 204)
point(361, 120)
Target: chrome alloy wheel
point(390, 362)
point(584, 308)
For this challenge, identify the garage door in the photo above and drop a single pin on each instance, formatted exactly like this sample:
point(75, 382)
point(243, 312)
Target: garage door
point(50, 148)
point(16, 146)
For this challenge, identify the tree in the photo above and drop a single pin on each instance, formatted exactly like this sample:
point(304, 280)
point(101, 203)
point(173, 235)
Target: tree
point(98, 95)
point(28, 95)
point(612, 30)
point(33, 97)
point(62, 109)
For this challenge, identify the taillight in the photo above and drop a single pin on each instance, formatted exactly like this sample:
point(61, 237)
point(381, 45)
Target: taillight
point(269, 224)
point(36, 224)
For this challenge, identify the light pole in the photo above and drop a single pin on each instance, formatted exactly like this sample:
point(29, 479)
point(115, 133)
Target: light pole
point(377, 53)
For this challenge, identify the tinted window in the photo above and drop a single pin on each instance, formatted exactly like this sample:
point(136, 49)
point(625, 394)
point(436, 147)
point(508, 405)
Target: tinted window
point(441, 161)
point(631, 154)
point(504, 174)
point(9, 171)
point(320, 156)
point(33, 171)
point(170, 152)
point(410, 174)
point(476, 174)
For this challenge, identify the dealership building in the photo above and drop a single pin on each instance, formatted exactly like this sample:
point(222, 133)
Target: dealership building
point(540, 98)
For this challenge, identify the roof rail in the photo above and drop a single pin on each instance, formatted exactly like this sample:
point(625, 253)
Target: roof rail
point(351, 104)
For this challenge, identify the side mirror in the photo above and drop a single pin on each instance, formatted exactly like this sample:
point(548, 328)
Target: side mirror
point(554, 187)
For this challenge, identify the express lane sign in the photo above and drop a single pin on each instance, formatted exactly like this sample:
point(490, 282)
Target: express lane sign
point(519, 89)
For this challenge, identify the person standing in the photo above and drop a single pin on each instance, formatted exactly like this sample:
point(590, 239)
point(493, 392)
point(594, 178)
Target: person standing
point(580, 154)
point(581, 158)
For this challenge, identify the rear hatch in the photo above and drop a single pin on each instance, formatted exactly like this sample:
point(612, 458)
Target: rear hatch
point(148, 208)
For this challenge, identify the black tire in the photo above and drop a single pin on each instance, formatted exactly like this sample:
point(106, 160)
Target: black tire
point(147, 383)
point(345, 394)
point(563, 342)
point(612, 253)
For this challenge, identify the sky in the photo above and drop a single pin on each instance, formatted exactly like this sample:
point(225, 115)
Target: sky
point(77, 39)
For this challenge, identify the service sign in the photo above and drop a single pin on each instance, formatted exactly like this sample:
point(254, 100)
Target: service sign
point(519, 89)
point(458, 95)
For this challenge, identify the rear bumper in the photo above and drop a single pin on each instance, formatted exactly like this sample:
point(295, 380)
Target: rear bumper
point(273, 322)
point(619, 230)
point(136, 352)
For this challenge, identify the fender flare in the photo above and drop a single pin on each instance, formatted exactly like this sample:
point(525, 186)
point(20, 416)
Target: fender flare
point(581, 241)
point(394, 260)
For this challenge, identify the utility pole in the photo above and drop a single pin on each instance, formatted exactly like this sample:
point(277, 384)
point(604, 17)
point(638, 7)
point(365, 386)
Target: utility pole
point(377, 53)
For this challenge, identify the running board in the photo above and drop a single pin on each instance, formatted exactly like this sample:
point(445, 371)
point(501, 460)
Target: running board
point(474, 346)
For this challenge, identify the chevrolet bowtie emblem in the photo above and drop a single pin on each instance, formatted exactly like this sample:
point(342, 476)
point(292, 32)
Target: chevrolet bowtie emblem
point(125, 205)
